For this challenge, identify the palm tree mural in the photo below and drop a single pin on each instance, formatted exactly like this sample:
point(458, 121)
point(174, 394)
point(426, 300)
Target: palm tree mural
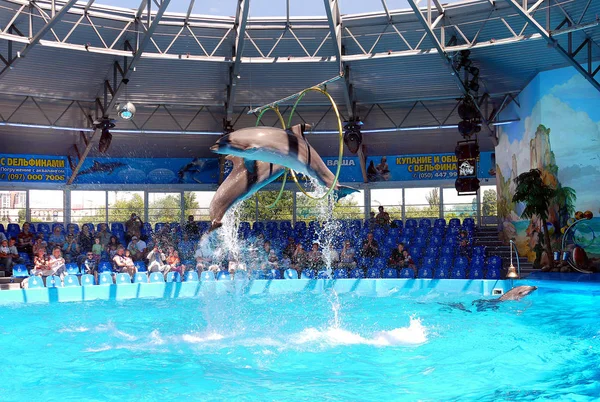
point(564, 198)
point(537, 196)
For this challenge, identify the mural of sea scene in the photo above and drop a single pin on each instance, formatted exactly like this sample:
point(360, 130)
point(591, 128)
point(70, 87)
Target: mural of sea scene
point(559, 134)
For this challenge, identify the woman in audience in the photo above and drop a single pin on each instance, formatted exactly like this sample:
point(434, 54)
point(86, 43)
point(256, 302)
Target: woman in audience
point(85, 239)
point(299, 259)
point(40, 244)
point(70, 249)
point(315, 257)
point(156, 260)
point(119, 261)
point(397, 257)
point(56, 263)
point(408, 261)
point(130, 267)
point(383, 218)
point(56, 239)
point(347, 256)
point(290, 248)
point(174, 263)
point(112, 246)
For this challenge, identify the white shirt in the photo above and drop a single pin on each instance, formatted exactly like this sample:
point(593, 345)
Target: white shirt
point(141, 245)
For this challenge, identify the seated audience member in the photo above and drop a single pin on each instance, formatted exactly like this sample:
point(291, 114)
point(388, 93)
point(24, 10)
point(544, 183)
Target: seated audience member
point(203, 260)
point(260, 241)
point(137, 248)
point(56, 239)
point(370, 248)
point(173, 261)
point(372, 221)
point(186, 248)
point(130, 267)
point(299, 259)
point(41, 264)
point(97, 248)
point(191, 228)
point(39, 244)
point(70, 249)
point(56, 263)
point(156, 260)
point(133, 227)
point(333, 257)
point(290, 248)
point(2, 237)
point(383, 218)
point(408, 261)
point(112, 246)
point(6, 260)
point(104, 235)
point(90, 266)
point(347, 256)
point(397, 258)
point(25, 240)
point(71, 231)
point(272, 260)
point(85, 239)
point(315, 257)
point(463, 244)
point(119, 262)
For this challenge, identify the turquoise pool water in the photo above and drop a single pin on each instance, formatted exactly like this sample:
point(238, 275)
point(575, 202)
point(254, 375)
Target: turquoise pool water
point(305, 346)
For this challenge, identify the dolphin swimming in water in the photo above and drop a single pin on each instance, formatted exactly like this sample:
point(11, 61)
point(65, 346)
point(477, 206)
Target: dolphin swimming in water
point(288, 148)
point(245, 179)
point(516, 293)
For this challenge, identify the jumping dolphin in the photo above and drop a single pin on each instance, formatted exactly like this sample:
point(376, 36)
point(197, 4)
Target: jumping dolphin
point(288, 148)
point(245, 179)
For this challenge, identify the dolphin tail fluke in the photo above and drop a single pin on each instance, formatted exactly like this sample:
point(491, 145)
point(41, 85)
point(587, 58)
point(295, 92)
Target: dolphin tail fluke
point(343, 191)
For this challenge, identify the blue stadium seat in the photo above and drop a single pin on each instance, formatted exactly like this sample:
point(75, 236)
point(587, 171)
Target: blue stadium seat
point(140, 277)
point(379, 263)
point(364, 262)
point(416, 253)
point(423, 232)
point(448, 250)
point(207, 276)
point(53, 281)
point(409, 232)
point(454, 222)
point(356, 273)
point(274, 274)
point(25, 257)
point(71, 280)
point(458, 273)
point(13, 228)
point(492, 273)
point(156, 277)
point(373, 273)
point(445, 262)
point(191, 276)
point(173, 277)
point(438, 232)
point(123, 278)
point(389, 273)
point(141, 266)
point(146, 229)
point(441, 273)
point(87, 280)
point(105, 278)
point(469, 222)
point(43, 228)
point(324, 275)
point(493, 262)
point(290, 274)
point(476, 272)
point(461, 262)
point(308, 274)
point(435, 241)
point(425, 223)
point(428, 262)
point(117, 227)
point(340, 273)
point(419, 241)
point(410, 223)
point(439, 223)
point(104, 266)
point(422, 272)
point(72, 269)
point(20, 271)
point(407, 273)
point(224, 276)
point(398, 223)
point(432, 252)
point(35, 282)
point(2, 228)
point(479, 251)
point(158, 226)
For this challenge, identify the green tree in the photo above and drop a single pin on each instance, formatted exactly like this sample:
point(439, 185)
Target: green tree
point(537, 197)
point(489, 204)
point(192, 207)
point(430, 211)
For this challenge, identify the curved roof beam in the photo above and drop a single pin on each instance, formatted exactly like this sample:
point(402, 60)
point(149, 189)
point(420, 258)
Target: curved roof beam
point(241, 19)
point(36, 39)
point(109, 105)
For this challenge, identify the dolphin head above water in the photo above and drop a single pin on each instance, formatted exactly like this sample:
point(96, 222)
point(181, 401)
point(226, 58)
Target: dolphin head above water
point(518, 293)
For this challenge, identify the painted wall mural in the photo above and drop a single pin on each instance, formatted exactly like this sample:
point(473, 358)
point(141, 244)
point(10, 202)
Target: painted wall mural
point(559, 134)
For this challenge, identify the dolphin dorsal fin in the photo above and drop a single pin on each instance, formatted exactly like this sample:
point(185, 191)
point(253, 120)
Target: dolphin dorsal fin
point(299, 129)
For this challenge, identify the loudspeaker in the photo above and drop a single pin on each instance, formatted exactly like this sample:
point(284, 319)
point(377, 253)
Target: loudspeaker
point(467, 185)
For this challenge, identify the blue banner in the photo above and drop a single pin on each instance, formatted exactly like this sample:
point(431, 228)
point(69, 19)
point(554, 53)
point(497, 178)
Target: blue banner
point(149, 171)
point(33, 168)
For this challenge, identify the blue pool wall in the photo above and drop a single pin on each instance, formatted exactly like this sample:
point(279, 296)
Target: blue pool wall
point(175, 290)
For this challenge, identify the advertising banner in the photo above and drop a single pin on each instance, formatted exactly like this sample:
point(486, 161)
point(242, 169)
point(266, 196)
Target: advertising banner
point(33, 168)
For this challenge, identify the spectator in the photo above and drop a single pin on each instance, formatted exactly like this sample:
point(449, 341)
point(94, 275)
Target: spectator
point(174, 262)
point(383, 218)
point(203, 260)
point(272, 260)
point(130, 267)
point(260, 241)
point(56, 263)
point(56, 239)
point(464, 244)
point(119, 262)
point(372, 221)
point(156, 260)
point(315, 257)
point(334, 256)
point(104, 235)
point(397, 257)
point(41, 264)
point(25, 240)
point(191, 228)
point(299, 259)
point(2, 237)
point(137, 248)
point(133, 227)
point(71, 230)
point(70, 249)
point(90, 265)
point(40, 244)
point(408, 261)
point(370, 248)
point(347, 256)
point(112, 246)
point(97, 248)
point(85, 239)
point(6, 259)
point(290, 248)
point(186, 248)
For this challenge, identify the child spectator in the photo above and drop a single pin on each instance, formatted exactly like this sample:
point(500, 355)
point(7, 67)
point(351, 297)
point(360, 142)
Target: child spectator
point(130, 267)
point(347, 256)
point(40, 243)
point(90, 266)
point(97, 248)
point(407, 261)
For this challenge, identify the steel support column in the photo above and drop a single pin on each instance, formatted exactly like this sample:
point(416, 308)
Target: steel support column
point(335, 32)
point(587, 74)
point(38, 36)
point(241, 19)
point(128, 70)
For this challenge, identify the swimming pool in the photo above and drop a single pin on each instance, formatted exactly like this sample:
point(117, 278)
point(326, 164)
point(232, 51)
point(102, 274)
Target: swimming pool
point(306, 345)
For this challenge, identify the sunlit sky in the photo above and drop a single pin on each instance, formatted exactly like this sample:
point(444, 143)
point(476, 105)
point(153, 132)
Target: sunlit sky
point(272, 8)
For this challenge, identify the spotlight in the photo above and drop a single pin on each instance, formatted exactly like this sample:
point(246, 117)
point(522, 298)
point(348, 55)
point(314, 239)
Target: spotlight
point(106, 137)
point(352, 135)
point(126, 111)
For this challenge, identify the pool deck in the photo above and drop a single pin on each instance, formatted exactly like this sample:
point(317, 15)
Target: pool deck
point(175, 290)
